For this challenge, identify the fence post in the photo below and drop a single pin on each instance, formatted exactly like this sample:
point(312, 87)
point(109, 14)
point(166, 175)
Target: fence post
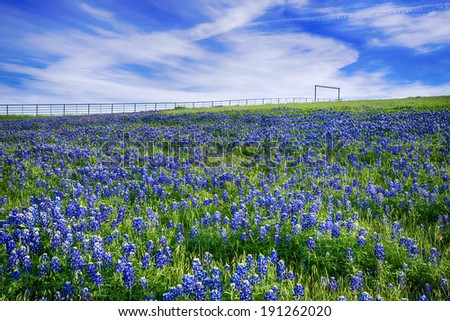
point(37, 110)
point(64, 110)
point(7, 111)
point(89, 109)
point(134, 107)
point(22, 109)
point(112, 108)
point(155, 106)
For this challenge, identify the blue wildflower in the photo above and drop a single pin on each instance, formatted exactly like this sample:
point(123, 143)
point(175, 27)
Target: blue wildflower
point(145, 263)
point(15, 275)
point(143, 283)
point(86, 295)
point(194, 232)
point(281, 270)
point(333, 285)
point(246, 291)
point(262, 265)
point(128, 275)
point(299, 292)
point(311, 244)
point(42, 269)
point(215, 295)
point(349, 253)
point(365, 297)
point(379, 252)
point(67, 292)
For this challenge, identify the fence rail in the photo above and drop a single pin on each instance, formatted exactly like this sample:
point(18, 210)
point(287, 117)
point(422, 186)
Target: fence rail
point(112, 108)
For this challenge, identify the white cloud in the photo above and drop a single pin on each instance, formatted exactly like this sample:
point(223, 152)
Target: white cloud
point(400, 27)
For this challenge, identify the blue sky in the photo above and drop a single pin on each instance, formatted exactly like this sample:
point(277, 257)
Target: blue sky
point(149, 50)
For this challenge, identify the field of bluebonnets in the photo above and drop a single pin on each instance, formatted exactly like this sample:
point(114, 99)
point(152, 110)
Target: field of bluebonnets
point(328, 202)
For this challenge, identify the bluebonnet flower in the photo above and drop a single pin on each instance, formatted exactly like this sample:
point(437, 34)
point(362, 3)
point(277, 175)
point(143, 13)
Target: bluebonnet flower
point(188, 285)
point(271, 294)
point(299, 292)
point(138, 225)
point(207, 259)
point(86, 295)
point(15, 274)
point(215, 295)
point(197, 267)
point(342, 298)
point(311, 244)
point(350, 225)
point(281, 270)
point(26, 264)
point(173, 293)
point(67, 292)
point(273, 256)
point(91, 269)
point(199, 294)
point(13, 259)
point(97, 279)
point(290, 276)
point(357, 282)
point(94, 225)
point(277, 239)
point(428, 289)
point(246, 291)
point(396, 230)
point(206, 220)
point(349, 253)
point(262, 233)
point(434, 257)
point(365, 297)
point(163, 257)
point(75, 260)
point(145, 261)
point(217, 218)
point(128, 275)
point(262, 265)
point(239, 275)
point(245, 236)
point(225, 196)
point(180, 238)
point(163, 241)
point(335, 231)
point(194, 232)
point(379, 252)
point(333, 285)
point(143, 283)
point(423, 298)
point(224, 234)
point(150, 247)
point(42, 269)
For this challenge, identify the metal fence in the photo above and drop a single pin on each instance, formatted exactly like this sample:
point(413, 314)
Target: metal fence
point(112, 108)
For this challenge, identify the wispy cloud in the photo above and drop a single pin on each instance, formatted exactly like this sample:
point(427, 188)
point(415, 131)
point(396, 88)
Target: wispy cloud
point(403, 26)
